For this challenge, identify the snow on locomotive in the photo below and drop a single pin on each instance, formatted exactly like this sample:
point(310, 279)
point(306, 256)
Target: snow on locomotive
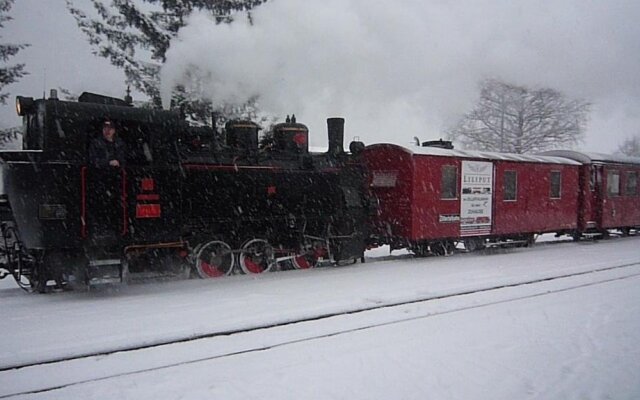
point(185, 198)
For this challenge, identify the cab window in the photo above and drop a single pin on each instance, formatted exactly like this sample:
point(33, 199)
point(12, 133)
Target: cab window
point(137, 140)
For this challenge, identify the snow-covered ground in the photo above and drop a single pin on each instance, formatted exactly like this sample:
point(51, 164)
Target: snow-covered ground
point(574, 337)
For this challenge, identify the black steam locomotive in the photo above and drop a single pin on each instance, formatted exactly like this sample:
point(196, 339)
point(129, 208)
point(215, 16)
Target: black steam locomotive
point(186, 199)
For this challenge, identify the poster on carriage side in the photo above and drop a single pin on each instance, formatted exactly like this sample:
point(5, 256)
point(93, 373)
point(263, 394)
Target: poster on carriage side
point(475, 200)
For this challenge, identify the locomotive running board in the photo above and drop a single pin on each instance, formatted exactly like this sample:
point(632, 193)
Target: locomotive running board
point(507, 243)
point(98, 263)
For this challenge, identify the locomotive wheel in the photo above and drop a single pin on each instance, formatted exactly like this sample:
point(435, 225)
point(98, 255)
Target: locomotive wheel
point(214, 259)
point(256, 257)
point(310, 259)
point(13, 257)
point(38, 278)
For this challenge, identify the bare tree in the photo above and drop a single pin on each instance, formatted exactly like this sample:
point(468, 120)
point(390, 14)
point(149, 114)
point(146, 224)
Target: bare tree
point(630, 146)
point(517, 119)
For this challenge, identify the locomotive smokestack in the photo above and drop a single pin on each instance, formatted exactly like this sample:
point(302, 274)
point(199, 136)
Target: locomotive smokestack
point(335, 128)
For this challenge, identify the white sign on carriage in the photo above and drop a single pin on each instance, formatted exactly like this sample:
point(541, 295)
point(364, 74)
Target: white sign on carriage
point(475, 201)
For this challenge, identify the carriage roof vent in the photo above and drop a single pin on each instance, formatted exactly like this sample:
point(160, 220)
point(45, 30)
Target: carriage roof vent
point(442, 144)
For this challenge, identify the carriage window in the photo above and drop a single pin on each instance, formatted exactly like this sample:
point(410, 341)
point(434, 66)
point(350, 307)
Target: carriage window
point(556, 183)
point(632, 184)
point(510, 185)
point(613, 183)
point(449, 182)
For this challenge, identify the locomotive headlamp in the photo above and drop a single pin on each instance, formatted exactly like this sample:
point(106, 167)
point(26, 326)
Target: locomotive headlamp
point(23, 105)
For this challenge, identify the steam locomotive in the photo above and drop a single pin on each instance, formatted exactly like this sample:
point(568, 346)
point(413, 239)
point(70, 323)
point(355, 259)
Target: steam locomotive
point(186, 199)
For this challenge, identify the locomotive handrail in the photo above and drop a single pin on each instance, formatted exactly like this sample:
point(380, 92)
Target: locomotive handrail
point(350, 236)
point(20, 155)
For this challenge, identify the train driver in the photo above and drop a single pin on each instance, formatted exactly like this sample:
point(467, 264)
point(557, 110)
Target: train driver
point(107, 150)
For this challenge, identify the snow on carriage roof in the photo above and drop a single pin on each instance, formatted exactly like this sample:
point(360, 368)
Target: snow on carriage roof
point(589, 158)
point(485, 155)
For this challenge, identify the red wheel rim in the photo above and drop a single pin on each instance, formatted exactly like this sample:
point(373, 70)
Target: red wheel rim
point(252, 266)
point(302, 263)
point(256, 257)
point(309, 260)
point(211, 270)
point(214, 260)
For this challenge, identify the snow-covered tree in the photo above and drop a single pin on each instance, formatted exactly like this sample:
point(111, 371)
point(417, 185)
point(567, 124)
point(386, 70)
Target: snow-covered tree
point(135, 35)
point(8, 73)
point(630, 146)
point(9, 137)
point(518, 119)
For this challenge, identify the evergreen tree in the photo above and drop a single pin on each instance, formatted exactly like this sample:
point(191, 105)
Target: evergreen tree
point(9, 137)
point(135, 35)
point(8, 73)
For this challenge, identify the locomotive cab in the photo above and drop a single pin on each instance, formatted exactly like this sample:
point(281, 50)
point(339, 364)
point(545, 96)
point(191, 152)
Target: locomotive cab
point(65, 209)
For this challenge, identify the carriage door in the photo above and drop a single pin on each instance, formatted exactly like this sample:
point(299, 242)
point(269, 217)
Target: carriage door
point(598, 195)
point(103, 208)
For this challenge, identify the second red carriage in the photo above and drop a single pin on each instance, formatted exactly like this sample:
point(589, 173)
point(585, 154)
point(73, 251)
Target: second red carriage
point(609, 194)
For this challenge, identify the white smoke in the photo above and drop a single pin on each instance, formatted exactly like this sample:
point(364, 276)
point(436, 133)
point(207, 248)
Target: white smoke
point(400, 69)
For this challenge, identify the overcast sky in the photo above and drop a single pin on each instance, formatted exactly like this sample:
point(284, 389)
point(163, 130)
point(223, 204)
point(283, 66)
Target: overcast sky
point(394, 70)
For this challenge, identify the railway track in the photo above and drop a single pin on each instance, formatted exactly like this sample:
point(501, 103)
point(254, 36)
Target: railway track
point(230, 343)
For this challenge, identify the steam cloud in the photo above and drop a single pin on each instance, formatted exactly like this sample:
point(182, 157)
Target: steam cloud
point(396, 70)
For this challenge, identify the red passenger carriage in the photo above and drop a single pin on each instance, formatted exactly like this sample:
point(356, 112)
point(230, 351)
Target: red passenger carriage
point(609, 194)
point(430, 198)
